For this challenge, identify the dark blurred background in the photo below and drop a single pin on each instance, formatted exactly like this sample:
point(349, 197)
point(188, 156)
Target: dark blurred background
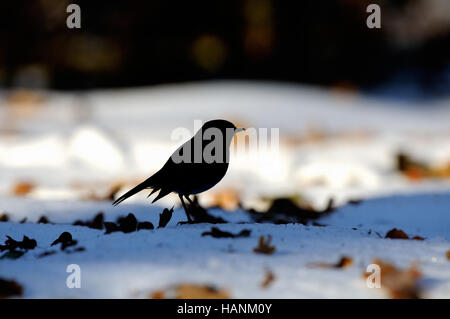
point(136, 43)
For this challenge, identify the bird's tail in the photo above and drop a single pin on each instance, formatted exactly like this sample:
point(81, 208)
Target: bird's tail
point(131, 192)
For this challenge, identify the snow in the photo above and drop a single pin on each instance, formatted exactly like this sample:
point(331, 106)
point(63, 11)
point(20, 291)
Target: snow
point(124, 136)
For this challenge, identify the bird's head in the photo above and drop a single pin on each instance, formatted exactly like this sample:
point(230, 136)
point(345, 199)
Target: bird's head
point(223, 125)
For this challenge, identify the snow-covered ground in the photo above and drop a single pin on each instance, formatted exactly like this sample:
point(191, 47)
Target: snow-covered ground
point(71, 146)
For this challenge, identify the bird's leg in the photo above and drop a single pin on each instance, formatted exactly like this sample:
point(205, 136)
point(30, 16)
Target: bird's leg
point(189, 199)
point(185, 208)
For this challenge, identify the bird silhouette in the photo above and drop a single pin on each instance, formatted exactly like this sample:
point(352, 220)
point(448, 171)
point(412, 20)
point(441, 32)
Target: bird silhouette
point(194, 167)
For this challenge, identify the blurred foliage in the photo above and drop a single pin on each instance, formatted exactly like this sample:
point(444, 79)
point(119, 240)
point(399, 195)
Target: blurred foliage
point(129, 43)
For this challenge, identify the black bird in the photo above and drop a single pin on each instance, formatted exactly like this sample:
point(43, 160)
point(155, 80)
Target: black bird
point(194, 167)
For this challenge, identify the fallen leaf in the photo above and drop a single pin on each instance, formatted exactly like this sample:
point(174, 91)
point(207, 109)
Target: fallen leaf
point(165, 217)
point(264, 246)
point(111, 227)
point(344, 262)
point(286, 210)
point(95, 223)
point(145, 225)
point(191, 291)
point(227, 199)
point(448, 254)
point(269, 277)
point(4, 217)
point(316, 224)
point(75, 250)
point(65, 239)
point(9, 288)
point(23, 188)
point(127, 224)
point(396, 234)
point(11, 244)
point(217, 233)
point(354, 201)
point(400, 284)
point(43, 220)
point(46, 253)
point(415, 170)
point(109, 195)
point(14, 254)
point(400, 234)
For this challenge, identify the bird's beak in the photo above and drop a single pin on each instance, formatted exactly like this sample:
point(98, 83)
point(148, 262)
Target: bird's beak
point(239, 129)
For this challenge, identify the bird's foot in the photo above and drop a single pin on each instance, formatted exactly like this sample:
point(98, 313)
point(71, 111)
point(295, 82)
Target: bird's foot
point(187, 222)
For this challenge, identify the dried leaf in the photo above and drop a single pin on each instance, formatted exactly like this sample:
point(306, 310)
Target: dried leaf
point(415, 170)
point(46, 253)
point(355, 201)
point(11, 244)
point(65, 239)
point(14, 254)
point(111, 227)
point(191, 291)
point(227, 199)
point(448, 254)
point(145, 225)
point(127, 224)
point(264, 246)
point(400, 284)
point(400, 234)
point(43, 220)
point(4, 217)
point(269, 277)
point(109, 195)
point(344, 262)
point(96, 223)
point(165, 217)
point(287, 210)
point(396, 234)
point(23, 188)
point(217, 233)
point(9, 288)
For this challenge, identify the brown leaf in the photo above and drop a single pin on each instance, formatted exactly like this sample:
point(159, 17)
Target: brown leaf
point(11, 244)
point(165, 217)
point(4, 217)
point(290, 210)
point(23, 188)
point(344, 262)
point(217, 233)
point(10, 288)
point(400, 284)
point(269, 277)
point(190, 291)
point(396, 234)
point(448, 254)
point(264, 246)
point(95, 223)
point(415, 170)
point(110, 194)
point(400, 234)
point(43, 220)
point(145, 225)
point(227, 199)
